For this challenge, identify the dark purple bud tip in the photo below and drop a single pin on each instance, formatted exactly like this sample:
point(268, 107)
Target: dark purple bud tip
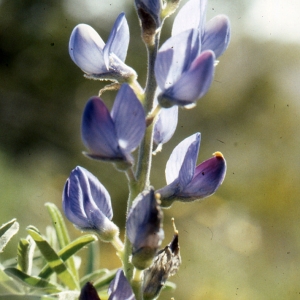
point(88, 292)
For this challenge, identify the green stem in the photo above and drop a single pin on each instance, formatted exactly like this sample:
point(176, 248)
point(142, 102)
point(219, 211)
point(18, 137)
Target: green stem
point(136, 283)
point(141, 179)
point(145, 151)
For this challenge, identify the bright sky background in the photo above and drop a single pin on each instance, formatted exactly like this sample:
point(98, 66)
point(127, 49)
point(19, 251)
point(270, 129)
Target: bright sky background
point(265, 19)
point(274, 19)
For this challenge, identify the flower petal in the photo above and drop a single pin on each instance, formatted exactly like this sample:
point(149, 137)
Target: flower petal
point(216, 35)
point(119, 288)
point(175, 57)
point(129, 118)
point(83, 198)
point(118, 40)
point(165, 125)
point(191, 15)
point(86, 49)
point(209, 175)
point(193, 84)
point(98, 131)
point(182, 161)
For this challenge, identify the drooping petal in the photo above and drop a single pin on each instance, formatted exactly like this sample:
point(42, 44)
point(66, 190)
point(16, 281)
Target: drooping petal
point(165, 125)
point(129, 118)
point(209, 175)
point(119, 288)
point(118, 40)
point(216, 36)
point(144, 229)
point(183, 158)
point(191, 15)
point(86, 49)
point(193, 84)
point(98, 131)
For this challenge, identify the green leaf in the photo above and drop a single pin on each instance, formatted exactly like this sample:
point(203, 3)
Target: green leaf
point(53, 259)
point(68, 251)
point(7, 231)
point(62, 234)
point(105, 280)
point(93, 276)
point(25, 255)
point(59, 224)
point(32, 281)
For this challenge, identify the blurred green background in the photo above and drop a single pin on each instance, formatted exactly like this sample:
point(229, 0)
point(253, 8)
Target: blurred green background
point(241, 243)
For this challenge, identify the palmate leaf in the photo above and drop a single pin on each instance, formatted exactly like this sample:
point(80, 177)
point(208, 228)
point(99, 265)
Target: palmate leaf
point(53, 259)
point(62, 234)
point(7, 231)
point(32, 281)
point(68, 251)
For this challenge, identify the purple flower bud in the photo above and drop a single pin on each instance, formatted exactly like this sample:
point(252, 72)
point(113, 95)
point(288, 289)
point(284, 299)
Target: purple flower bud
point(100, 60)
point(185, 181)
point(149, 12)
point(214, 35)
point(183, 74)
point(119, 288)
point(144, 229)
point(86, 203)
point(113, 136)
point(88, 292)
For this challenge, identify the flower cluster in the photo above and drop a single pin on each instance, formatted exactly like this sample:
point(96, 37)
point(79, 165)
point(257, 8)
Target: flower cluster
point(179, 73)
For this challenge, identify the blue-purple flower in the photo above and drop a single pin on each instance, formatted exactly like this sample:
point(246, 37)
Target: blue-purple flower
point(86, 203)
point(100, 60)
point(144, 229)
point(184, 67)
point(183, 73)
point(119, 288)
point(187, 182)
point(214, 35)
point(113, 136)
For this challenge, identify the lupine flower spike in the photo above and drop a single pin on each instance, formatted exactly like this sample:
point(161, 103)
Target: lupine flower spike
point(185, 181)
point(99, 60)
point(113, 136)
point(86, 203)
